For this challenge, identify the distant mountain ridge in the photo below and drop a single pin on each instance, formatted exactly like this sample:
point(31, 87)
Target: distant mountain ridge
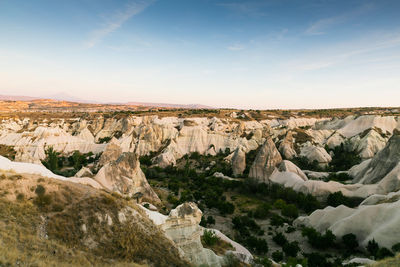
point(66, 97)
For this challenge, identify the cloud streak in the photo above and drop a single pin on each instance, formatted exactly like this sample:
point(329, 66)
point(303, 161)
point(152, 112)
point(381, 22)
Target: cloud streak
point(117, 20)
point(319, 27)
point(344, 54)
point(235, 47)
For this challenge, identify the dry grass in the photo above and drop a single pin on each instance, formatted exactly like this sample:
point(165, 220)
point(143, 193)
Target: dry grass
point(390, 262)
point(76, 223)
point(220, 247)
point(8, 152)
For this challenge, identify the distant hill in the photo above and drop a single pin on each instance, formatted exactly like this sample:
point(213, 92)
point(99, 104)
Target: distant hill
point(166, 105)
point(17, 98)
point(69, 98)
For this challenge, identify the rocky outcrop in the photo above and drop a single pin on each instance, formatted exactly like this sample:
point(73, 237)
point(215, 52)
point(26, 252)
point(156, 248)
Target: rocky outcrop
point(238, 161)
point(266, 161)
point(286, 147)
point(368, 144)
point(182, 226)
point(111, 153)
point(84, 172)
point(315, 153)
point(288, 166)
point(380, 222)
point(382, 164)
point(125, 177)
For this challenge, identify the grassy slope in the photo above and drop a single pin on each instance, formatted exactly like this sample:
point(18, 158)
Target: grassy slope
point(24, 225)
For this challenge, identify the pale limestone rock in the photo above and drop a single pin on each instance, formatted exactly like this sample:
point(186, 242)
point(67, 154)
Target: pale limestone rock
point(125, 177)
point(380, 165)
point(111, 153)
point(312, 152)
point(286, 147)
point(288, 166)
point(238, 161)
point(362, 123)
point(368, 145)
point(335, 140)
point(86, 135)
point(182, 226)
point(380, 222)
point(266, 161)
point(84, 172)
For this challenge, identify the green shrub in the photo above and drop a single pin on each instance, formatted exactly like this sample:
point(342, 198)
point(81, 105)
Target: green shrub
point(209, 237)
point(262, 211)
point(279, 204)
point(20, 197)
point(40, 190)
point(277, 256)
point(280, 239)
point(384, 253)
point(210, 220)
point(290, 210)
point(318, 240)
point(343, 159)
point(373, 247)
point(291, 249)
point(396, 247)
point(350, 241)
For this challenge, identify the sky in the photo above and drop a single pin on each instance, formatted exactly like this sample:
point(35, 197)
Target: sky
point(254, 54)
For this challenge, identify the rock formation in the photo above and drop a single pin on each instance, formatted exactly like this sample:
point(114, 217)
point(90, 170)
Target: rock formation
point(111, 153)
point(380, 165)
point(380, 222)
point(286, 147)
point(315, 153)
point(182, 226)
point(238, 161)
point(125, 177)
point(266, 161)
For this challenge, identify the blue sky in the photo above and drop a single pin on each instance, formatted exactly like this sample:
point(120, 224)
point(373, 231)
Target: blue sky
point(256, 54)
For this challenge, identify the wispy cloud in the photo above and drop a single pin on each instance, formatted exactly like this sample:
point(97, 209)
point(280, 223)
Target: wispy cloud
point(319, 27)
point(248, 8)
point(235, 47)
point(117, 20)
point(329, 58)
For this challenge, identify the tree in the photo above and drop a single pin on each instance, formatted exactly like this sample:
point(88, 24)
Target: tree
point(350, 241)
point(372, 247)
point(336, 199)
point(280, 204)
point(262, 211)
point(51, 160)
point(291, 249)
point(384, 253)
point(280, 239)
point(210, 220)
point(290, 210)
point(277, 256)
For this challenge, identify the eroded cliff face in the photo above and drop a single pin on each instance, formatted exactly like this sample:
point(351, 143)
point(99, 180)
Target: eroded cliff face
point(171, 137)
